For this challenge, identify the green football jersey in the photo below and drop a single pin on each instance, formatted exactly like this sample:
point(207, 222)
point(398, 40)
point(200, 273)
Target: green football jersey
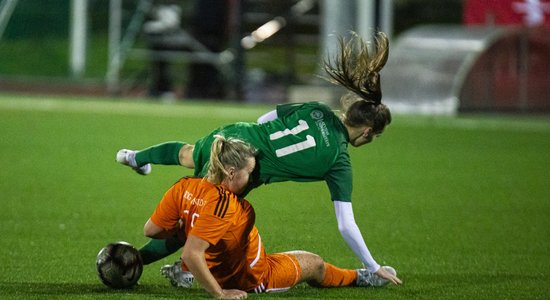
point(307, 142)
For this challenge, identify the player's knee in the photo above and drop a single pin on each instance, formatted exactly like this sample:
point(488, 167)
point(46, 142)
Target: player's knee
point(319, 265)
point(186, 156)
point(313, 269)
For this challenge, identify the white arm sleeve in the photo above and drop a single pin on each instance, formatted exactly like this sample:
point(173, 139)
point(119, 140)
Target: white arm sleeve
point(270, 116)
point(351, 234)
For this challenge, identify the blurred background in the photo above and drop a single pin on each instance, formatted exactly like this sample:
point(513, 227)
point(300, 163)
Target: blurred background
point(456, 199)
point(445, 56)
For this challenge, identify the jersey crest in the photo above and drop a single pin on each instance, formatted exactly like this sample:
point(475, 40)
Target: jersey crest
point(316, 115)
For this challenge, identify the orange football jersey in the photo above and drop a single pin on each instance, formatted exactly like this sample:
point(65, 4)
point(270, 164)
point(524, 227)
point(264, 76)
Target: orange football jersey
point(236, 256)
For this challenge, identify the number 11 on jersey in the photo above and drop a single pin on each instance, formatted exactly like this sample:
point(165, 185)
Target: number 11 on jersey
point(308, 143)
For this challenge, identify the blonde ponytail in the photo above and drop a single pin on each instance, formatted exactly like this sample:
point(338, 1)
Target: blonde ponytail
point(226, 153)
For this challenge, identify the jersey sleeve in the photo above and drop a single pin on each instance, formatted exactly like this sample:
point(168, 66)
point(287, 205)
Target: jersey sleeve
point(287, 109)
point(215, 218)
point(166, 215)
point(340, 179)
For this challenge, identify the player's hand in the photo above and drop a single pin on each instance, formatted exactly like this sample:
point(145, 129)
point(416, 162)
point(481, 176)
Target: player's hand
point(388, 276)
point(233, 294)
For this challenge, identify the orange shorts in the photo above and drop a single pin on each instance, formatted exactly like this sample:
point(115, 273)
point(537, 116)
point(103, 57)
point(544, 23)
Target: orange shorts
point(283, 272)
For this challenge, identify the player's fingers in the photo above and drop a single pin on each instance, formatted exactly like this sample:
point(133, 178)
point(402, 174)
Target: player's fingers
point(396, 280)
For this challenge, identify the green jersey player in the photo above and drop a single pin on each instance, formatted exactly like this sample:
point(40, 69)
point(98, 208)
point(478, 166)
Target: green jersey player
point(307, 142)
point(297, 142)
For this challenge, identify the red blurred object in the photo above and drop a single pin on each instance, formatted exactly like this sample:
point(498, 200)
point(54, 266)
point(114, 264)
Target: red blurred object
point(511, 75)
point(529, 13)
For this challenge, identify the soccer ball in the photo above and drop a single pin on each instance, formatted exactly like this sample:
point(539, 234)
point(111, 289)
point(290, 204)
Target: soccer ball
point(119, 265)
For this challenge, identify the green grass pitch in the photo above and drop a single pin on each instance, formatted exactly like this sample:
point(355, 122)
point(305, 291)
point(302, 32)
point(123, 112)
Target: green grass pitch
point(459, 206)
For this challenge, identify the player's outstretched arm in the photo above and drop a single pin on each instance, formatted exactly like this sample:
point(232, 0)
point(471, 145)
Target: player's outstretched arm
point(352, 235)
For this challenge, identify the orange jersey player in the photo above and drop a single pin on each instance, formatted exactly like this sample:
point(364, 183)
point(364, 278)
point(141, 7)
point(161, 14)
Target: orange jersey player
point(236, 256)
point(222, 247)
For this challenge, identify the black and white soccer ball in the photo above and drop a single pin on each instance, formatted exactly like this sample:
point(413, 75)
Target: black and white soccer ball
point(119, 265)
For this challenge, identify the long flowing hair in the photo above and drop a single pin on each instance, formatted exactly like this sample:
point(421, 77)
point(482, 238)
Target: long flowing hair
point(357, 69)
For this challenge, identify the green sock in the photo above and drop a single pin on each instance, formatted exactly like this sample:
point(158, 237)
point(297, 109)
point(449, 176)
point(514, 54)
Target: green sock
point(161, 154)
point(155, 249)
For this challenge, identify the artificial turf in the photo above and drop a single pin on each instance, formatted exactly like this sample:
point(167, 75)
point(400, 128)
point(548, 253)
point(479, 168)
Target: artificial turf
point(459, 206)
